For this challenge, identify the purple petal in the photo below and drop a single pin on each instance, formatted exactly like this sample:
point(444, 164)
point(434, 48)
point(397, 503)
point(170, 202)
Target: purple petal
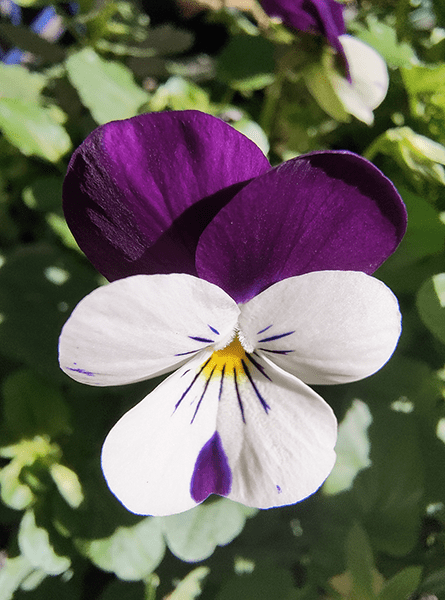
point(212, 474)
point(323, 17)
point(323, 211)
point(139, 192)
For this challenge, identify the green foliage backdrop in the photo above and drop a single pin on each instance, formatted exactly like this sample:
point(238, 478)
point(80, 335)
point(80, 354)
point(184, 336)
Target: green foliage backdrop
point(376, 529)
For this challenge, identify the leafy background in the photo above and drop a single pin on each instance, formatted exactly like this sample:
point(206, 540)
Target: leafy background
point(376, 529)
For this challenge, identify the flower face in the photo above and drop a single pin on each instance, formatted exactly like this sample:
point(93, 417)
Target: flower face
point(251, 281)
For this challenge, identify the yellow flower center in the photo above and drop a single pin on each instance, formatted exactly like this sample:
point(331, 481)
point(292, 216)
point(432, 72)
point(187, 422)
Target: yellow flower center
point(227, 361)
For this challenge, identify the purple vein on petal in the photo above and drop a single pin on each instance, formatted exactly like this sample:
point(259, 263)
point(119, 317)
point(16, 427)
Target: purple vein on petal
point(185, 353)
point(258, 366)
point(263, 330)
point(238, 395)
point(201, 339)
point(221, 383)
point(256, 390)
point(276, 337)
point(202, 395)
point(212, 474)
point(214, 330)
point(276, 351)
point(191, 385)
point(89, 373)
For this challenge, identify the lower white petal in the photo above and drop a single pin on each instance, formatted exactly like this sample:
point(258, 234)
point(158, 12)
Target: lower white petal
point(277, 433)
point(324, 327)
point(143, 326)
point(149, 457)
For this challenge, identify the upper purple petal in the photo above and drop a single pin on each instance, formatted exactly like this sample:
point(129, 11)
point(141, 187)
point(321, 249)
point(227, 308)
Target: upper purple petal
point(322, 211)
point(139, 192)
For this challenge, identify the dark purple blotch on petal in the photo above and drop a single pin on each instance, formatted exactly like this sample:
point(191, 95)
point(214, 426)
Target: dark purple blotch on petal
point(212, 474)
point(330, 210)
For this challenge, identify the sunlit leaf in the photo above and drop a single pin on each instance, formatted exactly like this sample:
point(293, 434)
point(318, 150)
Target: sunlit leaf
point(33, 129)
point(431, 305)
point(16, 81)
point(193, 535)
point(179, 94)
point(131, 553)
point(191, 586)
point(12, 573)
point(106, 88)
point(68, 484)
point(352, 448)
point(383, 38)
point(35, 544)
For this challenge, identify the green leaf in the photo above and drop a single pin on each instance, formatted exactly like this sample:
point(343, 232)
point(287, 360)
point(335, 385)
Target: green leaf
point(25, 39)
point(193, 535)
point(132, 553)
point(14, 492)
point(34, 129)
point(434, 583)
point(247, 63)
point(12, 573)
point(415, 153)
point(33, 406)
point(268, 582)
point(402, 585)
point(190, 587)
point(120, 590)
point(179, 94)
point(390, 492)
point(431, 305)
point(425, 234)
point(44, 194)
point(318, 79)
point(352, 448)
point(360, 564)
point(39, 287)
point(383, 38)
point(253, 131)
point(68, 484)
point(34, 543)
point(106, 88)
point(17, 82)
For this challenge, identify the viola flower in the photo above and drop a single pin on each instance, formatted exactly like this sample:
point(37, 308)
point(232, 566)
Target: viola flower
point(320, 17)
point(251, 281)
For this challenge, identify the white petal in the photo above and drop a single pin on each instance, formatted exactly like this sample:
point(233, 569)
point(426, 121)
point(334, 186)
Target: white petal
point(324, 327)
point(225, 423)
point(278, 435)
point(149, 456)
point(143, 326)
point(369, 76)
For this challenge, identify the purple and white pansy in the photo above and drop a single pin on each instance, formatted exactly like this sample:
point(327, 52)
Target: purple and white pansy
point(250, 281)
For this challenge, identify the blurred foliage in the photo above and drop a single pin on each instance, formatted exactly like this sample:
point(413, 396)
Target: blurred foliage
point(376, 530)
